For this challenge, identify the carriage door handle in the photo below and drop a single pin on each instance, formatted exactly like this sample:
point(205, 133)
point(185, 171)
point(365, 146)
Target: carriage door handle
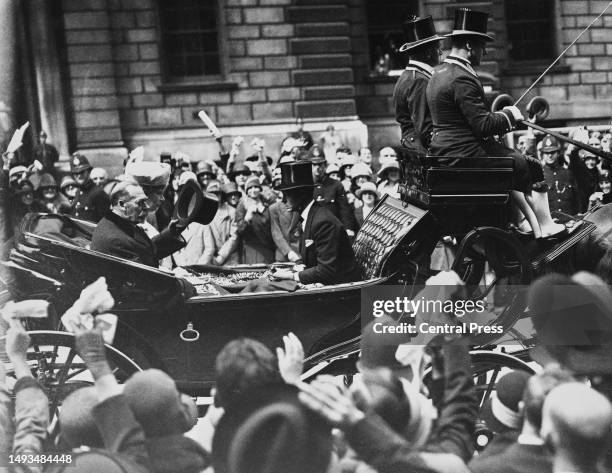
point(189, 334)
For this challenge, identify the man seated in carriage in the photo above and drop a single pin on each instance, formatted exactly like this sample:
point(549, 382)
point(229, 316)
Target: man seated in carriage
point(464, 127)
point(324, 244)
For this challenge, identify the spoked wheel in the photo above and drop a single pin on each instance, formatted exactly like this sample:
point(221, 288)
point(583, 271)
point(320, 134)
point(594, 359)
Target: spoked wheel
point(487, 368)
point(60, 371)
point(495, 268)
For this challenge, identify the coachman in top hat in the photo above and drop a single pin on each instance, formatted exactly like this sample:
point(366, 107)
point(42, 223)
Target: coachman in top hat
point(464, 126)
point(411, 111)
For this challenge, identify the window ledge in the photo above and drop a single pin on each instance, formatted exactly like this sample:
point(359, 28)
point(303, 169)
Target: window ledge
point(520, 69)
point(197, 86)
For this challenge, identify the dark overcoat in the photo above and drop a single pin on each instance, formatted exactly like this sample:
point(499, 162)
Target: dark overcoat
point(331, 193)
point(119, 237)
point(326, 250)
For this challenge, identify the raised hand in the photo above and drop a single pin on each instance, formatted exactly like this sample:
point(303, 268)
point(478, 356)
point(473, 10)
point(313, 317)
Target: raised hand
point(327, 400)
point(291, 359)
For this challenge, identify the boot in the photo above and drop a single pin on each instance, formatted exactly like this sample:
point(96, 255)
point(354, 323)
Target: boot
point(548, 228)
point(530, 216)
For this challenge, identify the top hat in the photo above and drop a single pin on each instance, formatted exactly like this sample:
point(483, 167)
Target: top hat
point(470, 23)
point(79, 163)
point(296, 175)
point(268, 430)
point(419, 31)
point(193, 205)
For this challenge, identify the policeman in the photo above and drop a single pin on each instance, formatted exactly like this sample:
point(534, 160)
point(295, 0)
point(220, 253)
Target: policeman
point(411, 111)
point(464, 125)
point(331, 192)
point(91, 202)
point(563, 193)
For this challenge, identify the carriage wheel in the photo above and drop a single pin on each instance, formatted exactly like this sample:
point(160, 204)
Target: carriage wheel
point(60, 371)
point(495, 268)
point(487, 368)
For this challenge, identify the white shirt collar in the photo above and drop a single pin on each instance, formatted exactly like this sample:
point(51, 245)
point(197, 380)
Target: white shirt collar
point(422, 65)
point(463, 63)
point(304, 214)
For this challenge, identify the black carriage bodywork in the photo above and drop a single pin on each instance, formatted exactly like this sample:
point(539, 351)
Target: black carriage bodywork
point(165, 323)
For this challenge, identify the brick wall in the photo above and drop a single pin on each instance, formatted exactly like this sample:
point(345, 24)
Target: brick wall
point(284, 58)
point(581, 91)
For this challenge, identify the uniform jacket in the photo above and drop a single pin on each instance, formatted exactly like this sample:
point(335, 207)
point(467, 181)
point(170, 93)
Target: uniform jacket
point(411, 109)
point(462, 122)
point(285, 233)
point(326, 250)
point(450, 442)
point(331, 193)
point(91, 203)
point(563, 195)
point(119, 237)
point(220, 238)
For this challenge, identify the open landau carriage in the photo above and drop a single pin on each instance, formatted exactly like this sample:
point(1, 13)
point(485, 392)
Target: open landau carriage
point(179, 324)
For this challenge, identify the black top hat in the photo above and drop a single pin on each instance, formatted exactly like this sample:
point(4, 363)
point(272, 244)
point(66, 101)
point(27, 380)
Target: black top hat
point(419, 31)
point(193, 205)
point(268, 430)
point(470, 23)
point(296, 175)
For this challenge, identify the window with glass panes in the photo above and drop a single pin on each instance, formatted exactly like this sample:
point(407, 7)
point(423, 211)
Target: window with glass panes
point(530, 26)
point(385, 33)
point(190, 38)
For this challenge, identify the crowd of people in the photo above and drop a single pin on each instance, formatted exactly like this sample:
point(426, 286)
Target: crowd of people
point(266, 418)
point(252, 224)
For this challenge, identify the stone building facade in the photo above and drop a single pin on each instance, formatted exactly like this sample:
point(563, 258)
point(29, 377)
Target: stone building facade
point(105, 75)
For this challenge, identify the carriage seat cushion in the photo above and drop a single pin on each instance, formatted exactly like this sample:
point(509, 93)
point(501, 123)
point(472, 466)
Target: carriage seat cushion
point(468, 176)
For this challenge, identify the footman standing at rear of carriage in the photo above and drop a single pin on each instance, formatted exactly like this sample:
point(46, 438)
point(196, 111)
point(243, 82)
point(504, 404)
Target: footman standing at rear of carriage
point(464, 126)
point(411, 110)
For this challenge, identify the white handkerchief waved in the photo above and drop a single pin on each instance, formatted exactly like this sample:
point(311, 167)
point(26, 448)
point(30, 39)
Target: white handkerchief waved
point(308, 243)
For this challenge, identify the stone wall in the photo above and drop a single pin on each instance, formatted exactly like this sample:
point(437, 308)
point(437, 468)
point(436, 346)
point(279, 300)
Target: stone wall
point(284, 58)
point(578, 90)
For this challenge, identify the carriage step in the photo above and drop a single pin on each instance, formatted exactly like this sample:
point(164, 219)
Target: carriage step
point(581, 230)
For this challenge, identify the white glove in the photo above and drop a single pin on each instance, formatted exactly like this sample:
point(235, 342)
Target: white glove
point(516, 113)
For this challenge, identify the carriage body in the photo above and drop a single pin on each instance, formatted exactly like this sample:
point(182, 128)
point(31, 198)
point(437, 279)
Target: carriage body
point(178, 325)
